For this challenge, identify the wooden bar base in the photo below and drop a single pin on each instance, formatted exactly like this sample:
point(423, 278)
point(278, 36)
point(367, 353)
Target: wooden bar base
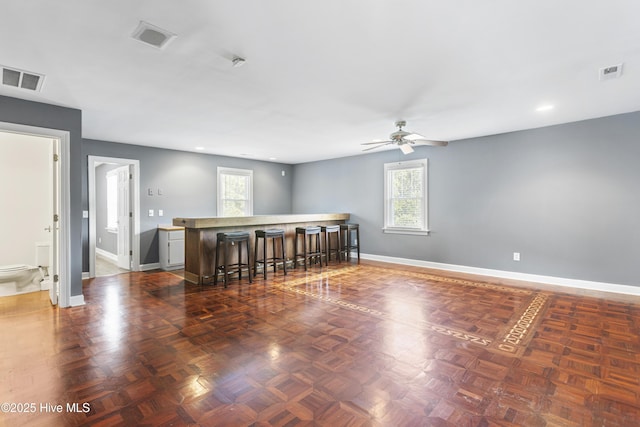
point(200, 236)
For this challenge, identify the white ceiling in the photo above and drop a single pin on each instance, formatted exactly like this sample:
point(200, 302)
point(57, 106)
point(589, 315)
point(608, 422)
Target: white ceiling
point(321, 77)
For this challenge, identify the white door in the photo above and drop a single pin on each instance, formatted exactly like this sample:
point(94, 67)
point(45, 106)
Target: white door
point(55, 228)
point(124, 219)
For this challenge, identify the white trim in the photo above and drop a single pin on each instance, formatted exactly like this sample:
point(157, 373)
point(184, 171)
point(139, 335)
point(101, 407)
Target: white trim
point(152, 266)
point(549, 280)
point(94, 161)
point(85, 275)
point(107, 254)
point(76, 300)
point(64, 183)
point(405, 231)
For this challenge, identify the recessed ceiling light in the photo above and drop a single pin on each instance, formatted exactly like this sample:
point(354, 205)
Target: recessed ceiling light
point(199, 148)
point(545, 108)
point(273, 158)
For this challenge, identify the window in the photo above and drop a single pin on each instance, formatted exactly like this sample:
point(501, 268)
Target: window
point(235, 192)
point(405, 197)
point(112, 200)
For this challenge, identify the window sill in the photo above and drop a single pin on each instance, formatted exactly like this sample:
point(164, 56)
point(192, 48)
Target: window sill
point(405, 231)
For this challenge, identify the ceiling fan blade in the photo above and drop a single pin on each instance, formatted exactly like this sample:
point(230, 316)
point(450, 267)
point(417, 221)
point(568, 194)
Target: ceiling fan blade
point(430, 142)
point(375, 142)
point(413, 136)
point(378, 146)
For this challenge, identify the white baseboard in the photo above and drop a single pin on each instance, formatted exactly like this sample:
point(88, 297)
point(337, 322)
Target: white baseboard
point(107, 255)
point(85, 275)
point(549, 280)
point(76, 300)
point(147, 267)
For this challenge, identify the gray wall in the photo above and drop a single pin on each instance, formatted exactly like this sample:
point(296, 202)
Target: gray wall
point(13, 110)
point(188, 184)
point(566, 197)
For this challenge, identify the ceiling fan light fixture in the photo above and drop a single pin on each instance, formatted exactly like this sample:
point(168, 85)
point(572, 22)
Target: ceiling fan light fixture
point(403, 140)
point(406, 148)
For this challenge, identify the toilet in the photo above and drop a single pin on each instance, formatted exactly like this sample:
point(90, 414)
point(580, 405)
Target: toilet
point(22, 278)
point(19, 279)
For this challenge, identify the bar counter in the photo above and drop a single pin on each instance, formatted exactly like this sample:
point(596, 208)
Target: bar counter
point(200, 236)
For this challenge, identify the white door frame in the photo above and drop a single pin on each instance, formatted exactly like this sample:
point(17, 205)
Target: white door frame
point(134, 165)
point(64, 179)
point(124, 220)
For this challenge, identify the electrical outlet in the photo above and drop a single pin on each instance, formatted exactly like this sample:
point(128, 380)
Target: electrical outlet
point(160, 212)
point(150, 212)
point(516, 256)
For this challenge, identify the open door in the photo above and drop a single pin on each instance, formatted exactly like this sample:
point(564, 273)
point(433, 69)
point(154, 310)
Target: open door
point(55, 228)
point(124, 218)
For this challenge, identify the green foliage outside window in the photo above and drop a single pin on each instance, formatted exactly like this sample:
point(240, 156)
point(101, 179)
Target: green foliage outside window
point(406, 197)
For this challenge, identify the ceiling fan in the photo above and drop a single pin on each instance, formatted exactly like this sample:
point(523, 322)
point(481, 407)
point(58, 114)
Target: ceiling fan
point(404, 140)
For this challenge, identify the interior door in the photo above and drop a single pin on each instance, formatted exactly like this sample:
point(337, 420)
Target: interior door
point(55, 228)
point(124, 219)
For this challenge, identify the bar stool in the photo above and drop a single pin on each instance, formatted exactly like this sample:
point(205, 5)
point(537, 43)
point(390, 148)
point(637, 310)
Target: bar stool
point(348, 244)
point(328, 230)
point(224, 240)
point(307, 255)
point(273, 234)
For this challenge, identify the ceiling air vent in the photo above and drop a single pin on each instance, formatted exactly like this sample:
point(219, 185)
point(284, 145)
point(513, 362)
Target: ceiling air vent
point(610, 72)
point(22, 79)
point(152, 35)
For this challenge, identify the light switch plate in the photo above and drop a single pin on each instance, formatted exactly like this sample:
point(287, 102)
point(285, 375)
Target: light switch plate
point(160, 212)
point(150, 212)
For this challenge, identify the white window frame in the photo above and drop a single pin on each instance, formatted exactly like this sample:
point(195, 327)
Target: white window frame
point(239, 172)
point(423, 229)
point(112, 203)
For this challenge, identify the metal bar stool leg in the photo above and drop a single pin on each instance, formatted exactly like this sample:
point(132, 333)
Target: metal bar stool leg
point(248, 259)
point(284, 255)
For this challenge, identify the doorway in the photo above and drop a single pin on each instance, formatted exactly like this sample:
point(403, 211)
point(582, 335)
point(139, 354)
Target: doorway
point(114, 236)
point(56, 206)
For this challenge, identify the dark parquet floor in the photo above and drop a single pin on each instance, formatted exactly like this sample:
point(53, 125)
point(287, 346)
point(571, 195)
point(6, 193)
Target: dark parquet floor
point(349, 345)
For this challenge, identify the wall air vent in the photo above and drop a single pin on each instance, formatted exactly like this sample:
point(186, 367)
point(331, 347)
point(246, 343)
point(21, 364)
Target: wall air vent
point(152, 35)
point(610, 72)
point(21, 79)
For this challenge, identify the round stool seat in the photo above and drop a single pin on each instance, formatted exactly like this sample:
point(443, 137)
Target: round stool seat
point(271, 232)
point(233, 235)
